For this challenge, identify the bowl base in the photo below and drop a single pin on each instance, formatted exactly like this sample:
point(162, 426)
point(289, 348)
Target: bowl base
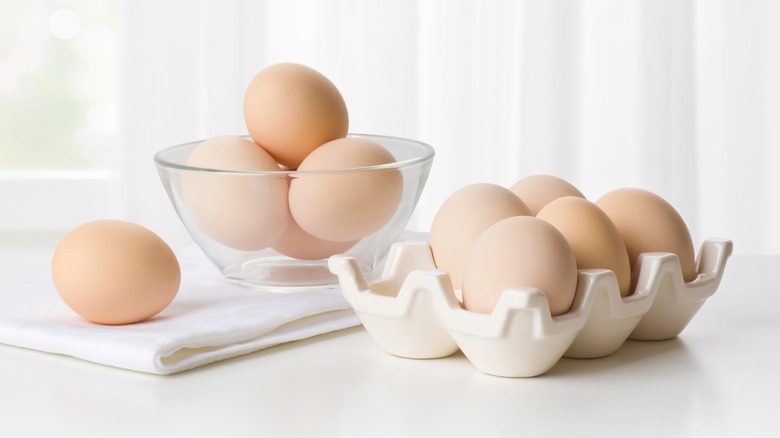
point(282, 274)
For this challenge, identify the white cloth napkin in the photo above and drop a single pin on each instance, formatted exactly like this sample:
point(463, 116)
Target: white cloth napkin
point(210, 319)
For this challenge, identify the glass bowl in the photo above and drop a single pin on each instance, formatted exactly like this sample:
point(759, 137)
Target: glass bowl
point(237, 200)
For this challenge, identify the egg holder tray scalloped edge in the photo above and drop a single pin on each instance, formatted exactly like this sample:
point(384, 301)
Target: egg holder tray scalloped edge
point(412, 310)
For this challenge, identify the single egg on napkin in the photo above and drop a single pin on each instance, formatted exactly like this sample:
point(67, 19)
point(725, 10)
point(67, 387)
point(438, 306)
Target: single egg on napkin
point(539, 190)
point(516, 252)
point(339, 201)
point(592, 236)
point(647, 223)
point(248, 212)
point(463, 217)
point(291, 109)
point(115, 272)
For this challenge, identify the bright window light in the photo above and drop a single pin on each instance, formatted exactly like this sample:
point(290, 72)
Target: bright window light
point(58, 84)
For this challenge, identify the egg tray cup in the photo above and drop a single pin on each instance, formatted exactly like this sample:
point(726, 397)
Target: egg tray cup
point(413, 311)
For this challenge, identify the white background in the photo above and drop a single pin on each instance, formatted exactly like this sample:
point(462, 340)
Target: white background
point(678, 97)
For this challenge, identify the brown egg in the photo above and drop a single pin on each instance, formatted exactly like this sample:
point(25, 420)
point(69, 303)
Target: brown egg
point(291, 109)
point(245, 212)
point(519, 252)
point(115, 272)
point(539, 190)
point(344, 206)
point(463, 217)
point(592, 236)
point(301, 245)
point(647, 223)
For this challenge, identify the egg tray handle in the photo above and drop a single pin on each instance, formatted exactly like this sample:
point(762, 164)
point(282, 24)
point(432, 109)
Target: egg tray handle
point(677, 302)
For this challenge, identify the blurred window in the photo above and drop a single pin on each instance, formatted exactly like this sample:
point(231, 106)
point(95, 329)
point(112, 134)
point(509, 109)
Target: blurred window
point(58, 118)
point(58, 84)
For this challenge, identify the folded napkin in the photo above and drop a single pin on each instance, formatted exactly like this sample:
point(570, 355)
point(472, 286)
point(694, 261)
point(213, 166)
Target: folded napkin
point(210, 319)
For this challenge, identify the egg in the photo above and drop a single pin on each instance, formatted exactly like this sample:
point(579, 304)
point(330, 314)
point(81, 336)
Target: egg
point(463, 217)
point(345, 203)
point(593, 238)
point(301, 245)
point(291, 109)
point(244, 212)
point(539, 190)
point(115, 272)
point(519, 252)
point(647, 223)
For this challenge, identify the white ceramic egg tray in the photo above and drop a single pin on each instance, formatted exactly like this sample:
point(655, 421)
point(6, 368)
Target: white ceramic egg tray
point(413, 311)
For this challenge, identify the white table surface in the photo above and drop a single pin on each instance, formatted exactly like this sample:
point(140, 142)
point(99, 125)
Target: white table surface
point(719, 378)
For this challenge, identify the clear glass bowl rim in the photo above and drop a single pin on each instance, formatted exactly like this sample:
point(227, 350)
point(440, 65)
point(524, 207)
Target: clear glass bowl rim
point(427, 155)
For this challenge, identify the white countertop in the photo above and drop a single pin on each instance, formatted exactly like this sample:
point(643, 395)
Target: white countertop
point(719, 378)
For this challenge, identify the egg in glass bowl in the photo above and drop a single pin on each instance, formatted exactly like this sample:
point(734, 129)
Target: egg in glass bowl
point(269, 227)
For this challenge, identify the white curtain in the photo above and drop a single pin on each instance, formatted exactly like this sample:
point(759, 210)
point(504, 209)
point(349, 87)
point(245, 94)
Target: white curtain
point(680, 97)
